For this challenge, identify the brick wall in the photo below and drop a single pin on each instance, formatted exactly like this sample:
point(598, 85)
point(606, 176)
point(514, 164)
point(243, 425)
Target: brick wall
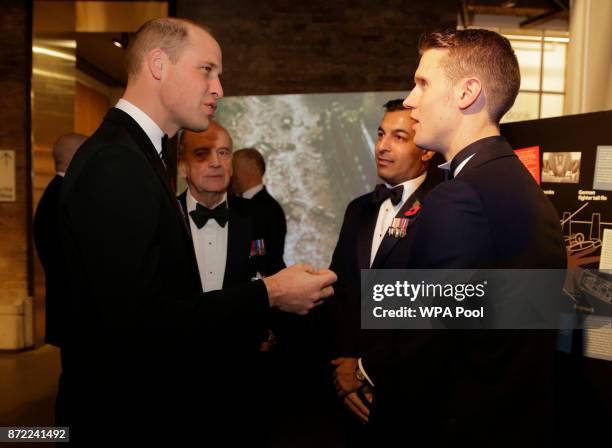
point(14, 126)
point(284, 46)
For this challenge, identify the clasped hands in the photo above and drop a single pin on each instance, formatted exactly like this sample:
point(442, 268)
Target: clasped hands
point(347, 386)
point(299, 288)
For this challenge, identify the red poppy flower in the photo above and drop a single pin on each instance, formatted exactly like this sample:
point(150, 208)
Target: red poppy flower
point(413, 211)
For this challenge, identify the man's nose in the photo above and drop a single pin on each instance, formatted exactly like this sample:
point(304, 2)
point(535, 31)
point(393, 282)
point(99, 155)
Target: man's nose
point(382, 145)
point(214, 160)
point(216, 89)
point(409, 101)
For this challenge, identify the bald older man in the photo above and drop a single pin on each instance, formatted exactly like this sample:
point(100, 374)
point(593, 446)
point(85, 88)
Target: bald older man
point(148, 349)
point(47, 239)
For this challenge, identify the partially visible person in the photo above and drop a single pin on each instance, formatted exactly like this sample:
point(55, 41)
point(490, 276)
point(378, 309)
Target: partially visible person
point(371, 237)
point(47, 240)
point(247, 182)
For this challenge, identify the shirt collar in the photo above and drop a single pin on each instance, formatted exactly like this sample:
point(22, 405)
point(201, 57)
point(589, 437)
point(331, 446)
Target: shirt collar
point(252, 191)
point(461, 165)
point(410, 186)
point(153, 131)
point(192, 202)
point(464, 156)
point(446, 165)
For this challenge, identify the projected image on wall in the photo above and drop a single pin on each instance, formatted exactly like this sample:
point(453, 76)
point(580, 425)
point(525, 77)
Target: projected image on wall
point(561, 167)
point(319, 153)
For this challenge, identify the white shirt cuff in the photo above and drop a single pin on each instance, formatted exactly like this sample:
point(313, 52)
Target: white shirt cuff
point(364, 372)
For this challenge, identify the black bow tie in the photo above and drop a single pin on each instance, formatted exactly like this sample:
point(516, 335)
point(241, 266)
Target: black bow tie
point(165, 149)
point(381, 193)
point(201, 215)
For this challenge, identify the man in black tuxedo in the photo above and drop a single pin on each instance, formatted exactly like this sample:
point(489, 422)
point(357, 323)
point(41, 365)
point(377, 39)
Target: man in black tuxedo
point(223, 224)
point(365, 242)
point(47, 239)
point(228, 239)
point(247, 182)
point(470, 387)
point(146, 349)
point(228, 242)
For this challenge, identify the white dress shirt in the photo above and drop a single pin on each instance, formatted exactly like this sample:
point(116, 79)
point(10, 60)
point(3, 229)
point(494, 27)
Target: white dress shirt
point(387, 212)
point(147, 124)
point(252, 191)
point(444, 166)
point(210, 243)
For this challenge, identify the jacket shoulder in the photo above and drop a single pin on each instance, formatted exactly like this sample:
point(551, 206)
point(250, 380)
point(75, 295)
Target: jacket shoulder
point(360, 201)
point(240, 205)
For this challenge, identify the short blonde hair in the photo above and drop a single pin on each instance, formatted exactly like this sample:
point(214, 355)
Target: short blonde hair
point(169, 34)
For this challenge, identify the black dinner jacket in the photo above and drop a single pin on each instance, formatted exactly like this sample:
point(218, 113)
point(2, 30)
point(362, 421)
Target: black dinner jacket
point(240, 267)
point(47, 241)
point(351, 255)
point(271, 222)
point(145, 344)
point(476, 386)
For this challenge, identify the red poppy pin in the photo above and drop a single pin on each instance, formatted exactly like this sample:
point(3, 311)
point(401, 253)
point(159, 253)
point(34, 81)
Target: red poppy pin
point(413, 211)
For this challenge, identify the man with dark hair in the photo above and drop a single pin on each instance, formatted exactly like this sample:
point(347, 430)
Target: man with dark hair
point(473, 388)
point(247, 181)
point(368, 241)
point(146, 348)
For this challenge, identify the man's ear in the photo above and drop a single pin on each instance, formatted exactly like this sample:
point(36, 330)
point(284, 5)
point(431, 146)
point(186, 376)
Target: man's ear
point(155, 60)
point(427, 155)
point(468, 92)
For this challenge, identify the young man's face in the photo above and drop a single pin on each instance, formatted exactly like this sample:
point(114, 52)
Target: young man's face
point(192, 85)
point(206, 160)
point(398, 159)
point(431, 102)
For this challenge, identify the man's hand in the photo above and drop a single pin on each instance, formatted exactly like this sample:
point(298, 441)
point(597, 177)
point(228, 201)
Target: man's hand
point(344, 376)
point(299, 288)
point(357, 407)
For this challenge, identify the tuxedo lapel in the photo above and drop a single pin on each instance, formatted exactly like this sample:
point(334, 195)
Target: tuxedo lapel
point(182, 200)
point(146, 146)
point(366, 232)
point(238, 243)
point(486, 150)
point(389, 242)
